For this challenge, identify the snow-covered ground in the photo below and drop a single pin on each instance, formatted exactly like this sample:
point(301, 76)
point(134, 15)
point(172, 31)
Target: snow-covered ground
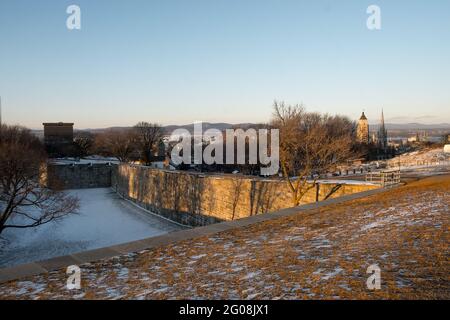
point(342, 181)
point(85, 160)
point(421, 159)
point(104, 219)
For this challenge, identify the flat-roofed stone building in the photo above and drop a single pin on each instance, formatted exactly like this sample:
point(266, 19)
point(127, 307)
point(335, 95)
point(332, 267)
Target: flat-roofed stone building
point(58, 133)
point(58, 138)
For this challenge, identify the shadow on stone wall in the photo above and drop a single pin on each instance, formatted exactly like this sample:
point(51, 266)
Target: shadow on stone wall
point(191, 198)
point(197, 199)
point(78, 176)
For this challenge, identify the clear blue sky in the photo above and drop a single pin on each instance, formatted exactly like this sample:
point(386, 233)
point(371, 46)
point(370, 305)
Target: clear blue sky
point(175, 62)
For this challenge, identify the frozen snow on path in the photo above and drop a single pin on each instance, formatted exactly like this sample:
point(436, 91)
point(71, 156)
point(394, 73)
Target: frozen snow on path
point(103, 220)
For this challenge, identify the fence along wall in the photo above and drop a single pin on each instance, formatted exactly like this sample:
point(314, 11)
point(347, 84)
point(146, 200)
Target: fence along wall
point(197, 199)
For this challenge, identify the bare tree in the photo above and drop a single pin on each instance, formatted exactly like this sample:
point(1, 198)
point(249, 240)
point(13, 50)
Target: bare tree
point(84, 142)
point(149, 136)
point(311, 144)
point(116, 143)
point(24, 203)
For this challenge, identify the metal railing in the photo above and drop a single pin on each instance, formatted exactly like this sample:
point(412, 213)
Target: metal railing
point(384, 178)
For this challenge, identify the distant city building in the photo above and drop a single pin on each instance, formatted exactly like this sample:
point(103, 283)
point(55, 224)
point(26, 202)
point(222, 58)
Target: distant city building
point(374, 138)
point(420, 136)
point(382, 134)
point(362, 131)
point(58, 134)
point(412, 139)
point(395, 143)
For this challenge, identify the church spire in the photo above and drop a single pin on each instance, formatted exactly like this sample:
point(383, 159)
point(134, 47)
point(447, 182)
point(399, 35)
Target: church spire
point(382, 132)
point(363, 117)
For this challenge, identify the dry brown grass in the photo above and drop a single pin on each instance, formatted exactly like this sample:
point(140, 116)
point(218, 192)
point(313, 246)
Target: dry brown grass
point(319, 254)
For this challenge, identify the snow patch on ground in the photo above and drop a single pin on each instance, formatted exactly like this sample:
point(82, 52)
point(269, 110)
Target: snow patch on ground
point(404, 215)
point(349, 182)
point(251, 275)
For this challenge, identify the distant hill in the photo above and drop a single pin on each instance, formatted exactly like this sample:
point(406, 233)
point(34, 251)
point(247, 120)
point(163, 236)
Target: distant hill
point(190, 127)
point(406, 127)
point(414, 126)
point(207, 125)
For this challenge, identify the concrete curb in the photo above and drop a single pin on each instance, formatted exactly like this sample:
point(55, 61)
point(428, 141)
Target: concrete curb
point(40, 267)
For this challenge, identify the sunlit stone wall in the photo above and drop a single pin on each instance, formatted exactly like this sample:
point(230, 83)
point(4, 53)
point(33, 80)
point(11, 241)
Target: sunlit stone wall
point(200, 199)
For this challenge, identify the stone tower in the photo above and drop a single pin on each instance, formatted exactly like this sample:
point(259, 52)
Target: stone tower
point(57, 134)
point(362, 131)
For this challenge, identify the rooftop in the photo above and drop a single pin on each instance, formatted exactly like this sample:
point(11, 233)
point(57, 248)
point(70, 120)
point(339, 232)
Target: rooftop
point(57, 124)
